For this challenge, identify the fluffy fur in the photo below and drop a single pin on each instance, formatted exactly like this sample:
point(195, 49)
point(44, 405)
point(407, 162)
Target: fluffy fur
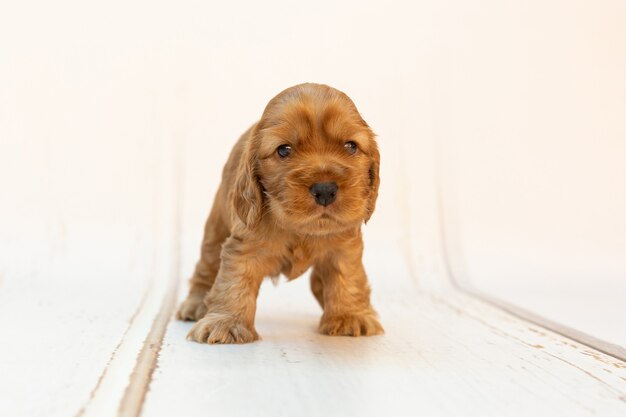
point(265, 221)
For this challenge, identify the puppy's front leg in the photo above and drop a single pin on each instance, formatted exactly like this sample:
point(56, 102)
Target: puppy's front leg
point(231, 302)
point(346, 295)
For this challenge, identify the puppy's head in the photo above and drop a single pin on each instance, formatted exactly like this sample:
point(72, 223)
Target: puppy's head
point(310, 165)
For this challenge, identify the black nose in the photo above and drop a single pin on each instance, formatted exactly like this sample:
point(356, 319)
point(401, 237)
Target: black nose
point(324, 192)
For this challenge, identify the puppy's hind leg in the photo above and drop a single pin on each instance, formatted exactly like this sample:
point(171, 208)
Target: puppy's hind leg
point(215, 233)
point(317, 286)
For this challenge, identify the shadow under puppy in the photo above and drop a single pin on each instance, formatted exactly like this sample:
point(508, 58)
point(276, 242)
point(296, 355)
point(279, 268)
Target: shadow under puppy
point(294, 193)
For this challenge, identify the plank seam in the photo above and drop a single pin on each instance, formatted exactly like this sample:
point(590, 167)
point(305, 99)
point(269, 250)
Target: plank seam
point(134, 396)
point(583, 338)
point(96, 388)
point(135, 393)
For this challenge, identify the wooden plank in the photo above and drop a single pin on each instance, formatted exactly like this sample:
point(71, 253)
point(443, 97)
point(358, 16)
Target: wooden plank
point(64, 318)
point(443, 353)
point(85, 245)
point(567, 315)
point(121, 389)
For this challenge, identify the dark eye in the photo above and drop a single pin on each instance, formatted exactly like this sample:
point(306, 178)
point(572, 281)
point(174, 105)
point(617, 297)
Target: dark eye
point(283, 151)
point(351, 147)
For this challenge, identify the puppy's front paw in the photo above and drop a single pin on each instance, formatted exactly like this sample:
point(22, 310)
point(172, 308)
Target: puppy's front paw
point(363, 324)
point(221, 328)
point(192, 308)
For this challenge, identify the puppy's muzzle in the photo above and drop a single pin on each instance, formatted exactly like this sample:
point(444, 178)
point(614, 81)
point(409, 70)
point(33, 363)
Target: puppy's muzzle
point(324, 192)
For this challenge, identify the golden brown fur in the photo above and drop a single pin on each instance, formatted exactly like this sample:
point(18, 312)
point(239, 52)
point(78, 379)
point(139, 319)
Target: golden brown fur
point(265, 221)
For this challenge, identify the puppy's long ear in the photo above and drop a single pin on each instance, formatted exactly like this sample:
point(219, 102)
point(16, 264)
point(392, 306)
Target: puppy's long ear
point(374, 179)
point(247, 195)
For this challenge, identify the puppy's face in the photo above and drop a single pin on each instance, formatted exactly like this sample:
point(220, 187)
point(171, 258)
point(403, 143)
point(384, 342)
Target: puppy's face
point(315, 161)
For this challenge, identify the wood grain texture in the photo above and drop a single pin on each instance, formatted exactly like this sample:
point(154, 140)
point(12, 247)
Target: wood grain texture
point(443, 353)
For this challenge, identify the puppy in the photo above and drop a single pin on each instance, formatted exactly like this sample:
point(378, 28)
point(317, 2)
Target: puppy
point(294, 193)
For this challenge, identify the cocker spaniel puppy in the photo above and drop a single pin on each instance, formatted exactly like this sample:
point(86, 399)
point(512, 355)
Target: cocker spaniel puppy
point(294, 193)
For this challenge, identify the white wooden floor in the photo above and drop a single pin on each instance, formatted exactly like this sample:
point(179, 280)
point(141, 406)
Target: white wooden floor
point(87, 295)
point(89, 287)
point(444, 354)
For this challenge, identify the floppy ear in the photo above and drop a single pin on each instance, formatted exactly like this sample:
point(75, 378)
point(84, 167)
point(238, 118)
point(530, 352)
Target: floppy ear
point(374, 179)
point(247, 194)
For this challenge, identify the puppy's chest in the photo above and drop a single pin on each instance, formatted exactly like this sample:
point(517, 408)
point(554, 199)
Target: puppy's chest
point(298, 258)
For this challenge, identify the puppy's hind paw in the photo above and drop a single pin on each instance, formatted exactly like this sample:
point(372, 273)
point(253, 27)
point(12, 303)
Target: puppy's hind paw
point(351, 324)
point(221, 328)
point(192, 308)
